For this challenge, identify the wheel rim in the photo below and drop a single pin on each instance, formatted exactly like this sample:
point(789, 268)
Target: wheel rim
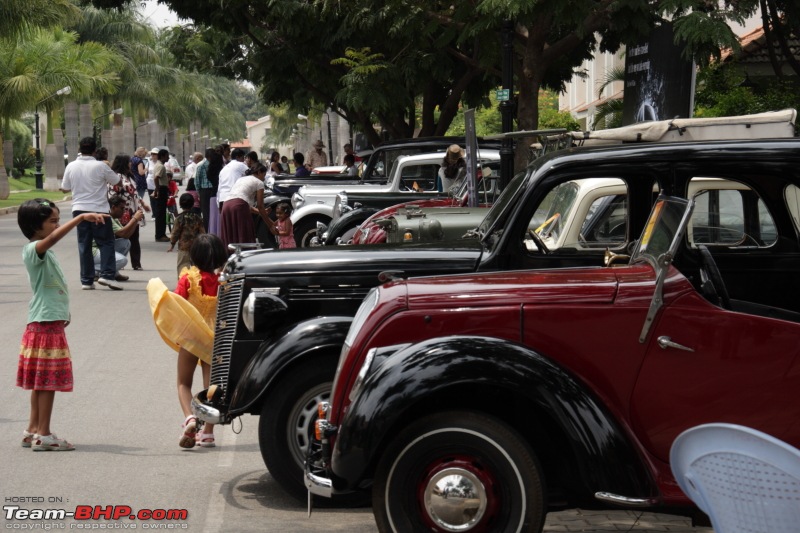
point(456, 494)
point(301, 420)
point(307, 236)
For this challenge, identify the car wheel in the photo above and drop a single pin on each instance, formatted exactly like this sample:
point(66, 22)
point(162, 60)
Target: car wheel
point(458, 471)
point(306, 229)
point(286, 426)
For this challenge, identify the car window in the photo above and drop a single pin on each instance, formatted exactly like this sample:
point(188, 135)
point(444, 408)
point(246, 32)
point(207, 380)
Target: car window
point(729, 213)
point(419, 177)
point(584, 214)
point(792, 194)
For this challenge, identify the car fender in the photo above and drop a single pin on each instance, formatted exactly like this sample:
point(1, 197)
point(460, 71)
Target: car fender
point(348, 220)
point(292, 345)
point(416, 379)
point(311, 209)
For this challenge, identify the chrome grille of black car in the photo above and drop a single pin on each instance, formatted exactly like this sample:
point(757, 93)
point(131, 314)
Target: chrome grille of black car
point(229, 302)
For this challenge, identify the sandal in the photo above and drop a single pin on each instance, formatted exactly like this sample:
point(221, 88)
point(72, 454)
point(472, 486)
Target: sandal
point(27, 438)
point(205, 440)
point(189, 432)
point(50, 443)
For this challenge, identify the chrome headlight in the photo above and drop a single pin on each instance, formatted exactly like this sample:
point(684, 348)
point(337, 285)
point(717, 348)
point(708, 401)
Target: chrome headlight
point(261, 308)
point(367, 306)
point(298, 200)
point(362, 373)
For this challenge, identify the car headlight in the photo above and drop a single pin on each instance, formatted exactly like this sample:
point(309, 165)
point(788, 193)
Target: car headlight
point(270, 182)
point(298, 200)
point(261, 308)
point(367, 306)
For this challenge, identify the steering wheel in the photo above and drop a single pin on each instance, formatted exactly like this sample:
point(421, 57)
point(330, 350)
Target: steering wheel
point(538, 241)
point(712, 284)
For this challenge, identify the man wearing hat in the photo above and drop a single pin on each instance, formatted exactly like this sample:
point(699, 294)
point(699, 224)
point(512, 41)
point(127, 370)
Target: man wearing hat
point(317, 158)
point(452, 163)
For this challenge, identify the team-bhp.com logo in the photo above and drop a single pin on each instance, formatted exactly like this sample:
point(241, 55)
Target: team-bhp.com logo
point(93, 513)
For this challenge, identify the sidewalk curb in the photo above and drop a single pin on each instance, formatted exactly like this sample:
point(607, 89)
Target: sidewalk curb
point(14, 208)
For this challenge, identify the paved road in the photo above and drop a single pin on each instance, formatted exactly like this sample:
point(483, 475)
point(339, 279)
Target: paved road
point(124, 419)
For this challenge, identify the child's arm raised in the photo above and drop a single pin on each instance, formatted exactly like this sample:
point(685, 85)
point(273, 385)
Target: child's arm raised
point(48, 242)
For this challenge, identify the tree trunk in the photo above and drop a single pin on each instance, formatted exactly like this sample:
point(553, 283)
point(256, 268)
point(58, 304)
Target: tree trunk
point(86, 122)
point(71, 125)
point(529, 81)
point(5, 188)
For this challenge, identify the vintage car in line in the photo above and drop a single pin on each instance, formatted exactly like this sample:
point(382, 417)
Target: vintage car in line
point(481, 402)
point(409, 175)
point(283, 315)
point(350, 211)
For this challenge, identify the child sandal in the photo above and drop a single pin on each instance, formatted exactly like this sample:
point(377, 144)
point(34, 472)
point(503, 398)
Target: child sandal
point(27, 438)
point(189, 432)
point(50, 443)
point(206, 440)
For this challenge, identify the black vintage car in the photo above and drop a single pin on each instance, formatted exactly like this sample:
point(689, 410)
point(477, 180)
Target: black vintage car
point(283, 315)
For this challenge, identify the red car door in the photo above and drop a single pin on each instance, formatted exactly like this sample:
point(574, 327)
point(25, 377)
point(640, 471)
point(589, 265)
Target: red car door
point(742, 369)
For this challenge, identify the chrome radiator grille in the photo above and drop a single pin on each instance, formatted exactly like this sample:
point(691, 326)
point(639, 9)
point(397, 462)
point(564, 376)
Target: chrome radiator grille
point(229, 303)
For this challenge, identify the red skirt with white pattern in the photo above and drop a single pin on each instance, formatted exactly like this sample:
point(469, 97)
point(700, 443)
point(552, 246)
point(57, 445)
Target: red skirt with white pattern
point(44, 359)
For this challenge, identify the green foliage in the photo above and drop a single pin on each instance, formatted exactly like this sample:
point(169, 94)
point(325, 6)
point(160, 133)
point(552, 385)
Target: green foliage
point(22, 162)
point(552, 118)
point(21, 136)
point(720, 93)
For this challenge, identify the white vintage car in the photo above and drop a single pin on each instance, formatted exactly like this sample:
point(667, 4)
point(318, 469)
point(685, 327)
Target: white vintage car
point(412, 174)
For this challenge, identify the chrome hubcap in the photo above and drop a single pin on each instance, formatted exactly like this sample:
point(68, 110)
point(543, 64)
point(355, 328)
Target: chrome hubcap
point(302, 418)
point(455, 499)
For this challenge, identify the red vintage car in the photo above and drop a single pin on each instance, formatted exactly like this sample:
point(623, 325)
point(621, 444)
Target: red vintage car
point(480, 402)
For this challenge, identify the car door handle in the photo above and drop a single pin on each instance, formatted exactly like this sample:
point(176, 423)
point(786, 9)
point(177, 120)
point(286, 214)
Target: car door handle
point(665, 342)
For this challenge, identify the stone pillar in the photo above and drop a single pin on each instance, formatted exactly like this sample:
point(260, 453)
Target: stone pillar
point(71, 124)
point(86, 121)
point(128, 146)
point(116, 143)
point(155, 135)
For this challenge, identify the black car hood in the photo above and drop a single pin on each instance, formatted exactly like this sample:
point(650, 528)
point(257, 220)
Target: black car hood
point(406, 260)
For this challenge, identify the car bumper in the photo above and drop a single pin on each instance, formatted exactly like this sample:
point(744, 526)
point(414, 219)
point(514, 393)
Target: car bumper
point(207, 412)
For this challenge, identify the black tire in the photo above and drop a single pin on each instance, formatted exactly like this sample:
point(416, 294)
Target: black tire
point(288, 414)
point(508, 489)
point(306, 229)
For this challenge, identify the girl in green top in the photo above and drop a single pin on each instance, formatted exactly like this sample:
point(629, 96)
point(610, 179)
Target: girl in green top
point(44, 359)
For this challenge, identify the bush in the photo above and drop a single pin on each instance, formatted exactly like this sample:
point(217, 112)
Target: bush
point(23, 162)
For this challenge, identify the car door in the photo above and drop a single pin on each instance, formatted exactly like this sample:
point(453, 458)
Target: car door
point(724, 366)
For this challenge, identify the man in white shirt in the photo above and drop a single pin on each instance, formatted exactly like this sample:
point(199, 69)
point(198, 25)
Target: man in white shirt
point(88, 180)
point(191, 168)
point(229, 174)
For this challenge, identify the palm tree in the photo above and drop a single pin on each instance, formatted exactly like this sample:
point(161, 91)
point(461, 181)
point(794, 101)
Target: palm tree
point(609, 113)
point(40, 62)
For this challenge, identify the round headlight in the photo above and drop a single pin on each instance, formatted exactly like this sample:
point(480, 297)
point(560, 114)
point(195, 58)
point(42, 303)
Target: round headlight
point(297, 200)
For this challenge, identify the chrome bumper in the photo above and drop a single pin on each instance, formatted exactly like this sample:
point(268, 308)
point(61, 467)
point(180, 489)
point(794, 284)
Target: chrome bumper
point(318, 485)
point(206, 412)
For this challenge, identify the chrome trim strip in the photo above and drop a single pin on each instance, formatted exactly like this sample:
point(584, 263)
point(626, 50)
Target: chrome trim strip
point(625, 501)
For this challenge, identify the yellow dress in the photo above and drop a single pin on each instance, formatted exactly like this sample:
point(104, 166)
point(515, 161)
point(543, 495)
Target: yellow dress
point(181, 322)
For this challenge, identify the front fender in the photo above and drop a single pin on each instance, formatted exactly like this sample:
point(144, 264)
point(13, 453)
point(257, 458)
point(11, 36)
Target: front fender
point(294, 344)
point(311, 209)
point(448, 371)
point(348, 220)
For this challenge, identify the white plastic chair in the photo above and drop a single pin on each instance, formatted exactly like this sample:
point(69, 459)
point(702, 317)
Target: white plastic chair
point(745, 481)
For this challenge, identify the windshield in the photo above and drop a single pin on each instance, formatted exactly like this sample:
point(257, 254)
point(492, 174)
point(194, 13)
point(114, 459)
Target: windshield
point(508, 196)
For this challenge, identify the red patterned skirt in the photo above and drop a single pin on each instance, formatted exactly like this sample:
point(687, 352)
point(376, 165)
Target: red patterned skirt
point(44, 359)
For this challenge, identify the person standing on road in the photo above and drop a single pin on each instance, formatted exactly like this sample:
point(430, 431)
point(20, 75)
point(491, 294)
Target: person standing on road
point(88, 180)
point(138, 171)
point(230, 174)
point(45, 365)
point(317, 157)
point(245, 199)
point(348, 150)
point(191, 168)
point(161, 195)
point(128, 188)
point(187, 226)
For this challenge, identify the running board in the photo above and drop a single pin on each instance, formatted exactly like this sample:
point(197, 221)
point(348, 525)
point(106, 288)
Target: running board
point(625, 501)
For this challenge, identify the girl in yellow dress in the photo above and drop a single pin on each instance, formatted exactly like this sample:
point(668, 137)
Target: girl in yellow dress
point(189, 329)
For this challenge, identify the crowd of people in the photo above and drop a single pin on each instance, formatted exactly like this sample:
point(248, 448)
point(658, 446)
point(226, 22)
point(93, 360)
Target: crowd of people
point(222, 202)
